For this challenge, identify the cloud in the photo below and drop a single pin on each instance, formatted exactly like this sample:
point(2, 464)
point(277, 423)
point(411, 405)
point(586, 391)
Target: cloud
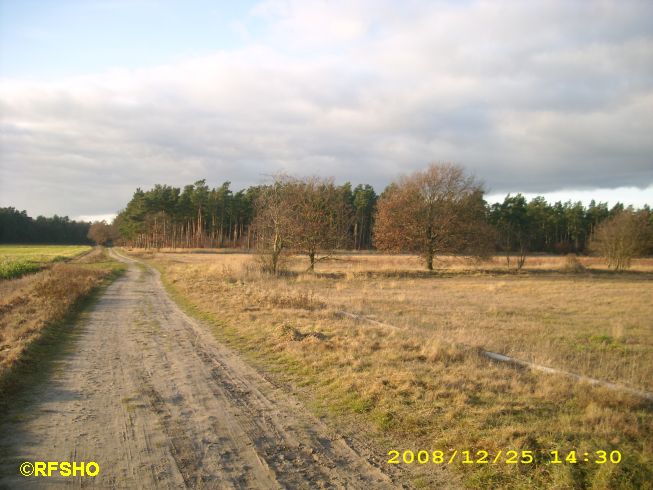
point(531, 96)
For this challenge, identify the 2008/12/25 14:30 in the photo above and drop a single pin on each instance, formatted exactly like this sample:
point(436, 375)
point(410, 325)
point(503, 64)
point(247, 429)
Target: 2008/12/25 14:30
point(509, 457)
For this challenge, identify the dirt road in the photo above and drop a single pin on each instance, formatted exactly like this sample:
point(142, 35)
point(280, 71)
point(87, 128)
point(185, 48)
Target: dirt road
point(153, 399)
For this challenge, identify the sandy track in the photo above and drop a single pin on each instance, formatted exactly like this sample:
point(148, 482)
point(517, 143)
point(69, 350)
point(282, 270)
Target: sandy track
point(152, 398)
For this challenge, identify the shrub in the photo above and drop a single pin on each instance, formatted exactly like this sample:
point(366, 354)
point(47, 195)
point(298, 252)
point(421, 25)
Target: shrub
point(621, 238)
point(572, 264)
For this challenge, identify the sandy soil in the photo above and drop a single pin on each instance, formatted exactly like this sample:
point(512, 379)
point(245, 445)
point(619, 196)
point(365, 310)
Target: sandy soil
point(152, 398)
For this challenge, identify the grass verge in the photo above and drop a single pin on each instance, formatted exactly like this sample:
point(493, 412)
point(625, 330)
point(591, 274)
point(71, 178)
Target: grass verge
point(38, 320)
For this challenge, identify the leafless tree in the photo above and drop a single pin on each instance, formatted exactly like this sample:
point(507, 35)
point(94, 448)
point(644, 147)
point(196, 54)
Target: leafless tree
point(273, 222)
point(321, 218)
point(622, 237)
point(101, 232)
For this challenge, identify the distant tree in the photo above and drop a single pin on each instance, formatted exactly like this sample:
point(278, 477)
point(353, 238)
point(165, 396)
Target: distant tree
point(594, 215)
point(541, 224)
point(17, 227)
point(101, 232)
point(439, 210)
point(622, 237)
point(320, 217)
point(364, 202)
point(512, 222)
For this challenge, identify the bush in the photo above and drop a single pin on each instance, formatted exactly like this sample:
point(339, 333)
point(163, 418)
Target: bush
point(621, 238)
point(270, 262)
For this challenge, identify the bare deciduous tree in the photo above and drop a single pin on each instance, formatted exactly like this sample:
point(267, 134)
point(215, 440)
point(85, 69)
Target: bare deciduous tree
point(622, 237)
point(273, 223)
point(309, 216)
point(321, 218)
point(101, 232)
point(436, 211)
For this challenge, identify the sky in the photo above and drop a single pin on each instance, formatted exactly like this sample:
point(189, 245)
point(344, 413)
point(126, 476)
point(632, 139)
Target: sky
point(98, 97)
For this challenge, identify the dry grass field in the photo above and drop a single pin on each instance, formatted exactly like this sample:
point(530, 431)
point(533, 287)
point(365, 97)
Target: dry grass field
point(420, 383)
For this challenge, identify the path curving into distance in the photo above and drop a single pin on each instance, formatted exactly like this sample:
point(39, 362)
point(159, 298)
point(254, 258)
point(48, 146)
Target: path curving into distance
point(157, 402)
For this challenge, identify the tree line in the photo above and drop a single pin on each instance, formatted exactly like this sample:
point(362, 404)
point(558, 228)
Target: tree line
point(17, 227)
point(316, 215)
point(440, 210)
point(198, 216)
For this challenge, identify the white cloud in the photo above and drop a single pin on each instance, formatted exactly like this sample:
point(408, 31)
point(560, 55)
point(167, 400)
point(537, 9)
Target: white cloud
point(532, 96)
point(96, 217)
point(629, 196)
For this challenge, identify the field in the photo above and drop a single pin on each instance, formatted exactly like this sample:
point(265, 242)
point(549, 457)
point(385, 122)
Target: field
point(18, 260)
point(417, 379)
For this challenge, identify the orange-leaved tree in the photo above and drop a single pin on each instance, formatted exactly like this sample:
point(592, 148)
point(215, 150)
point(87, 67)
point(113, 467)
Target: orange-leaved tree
point(436, 211)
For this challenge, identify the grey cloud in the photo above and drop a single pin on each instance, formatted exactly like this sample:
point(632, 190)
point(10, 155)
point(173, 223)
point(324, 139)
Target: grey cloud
point(532, 97)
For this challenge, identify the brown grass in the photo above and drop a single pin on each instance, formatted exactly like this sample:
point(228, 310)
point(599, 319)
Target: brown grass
point(411, 388)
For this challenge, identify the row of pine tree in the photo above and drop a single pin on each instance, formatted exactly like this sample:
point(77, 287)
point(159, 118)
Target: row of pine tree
point(199, 216)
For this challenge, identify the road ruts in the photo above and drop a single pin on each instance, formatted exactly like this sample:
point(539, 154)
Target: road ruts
point(151, 397)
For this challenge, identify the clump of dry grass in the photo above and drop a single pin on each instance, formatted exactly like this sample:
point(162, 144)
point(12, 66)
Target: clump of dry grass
point(572, 264)
point(305, 300)
point(288, 332)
